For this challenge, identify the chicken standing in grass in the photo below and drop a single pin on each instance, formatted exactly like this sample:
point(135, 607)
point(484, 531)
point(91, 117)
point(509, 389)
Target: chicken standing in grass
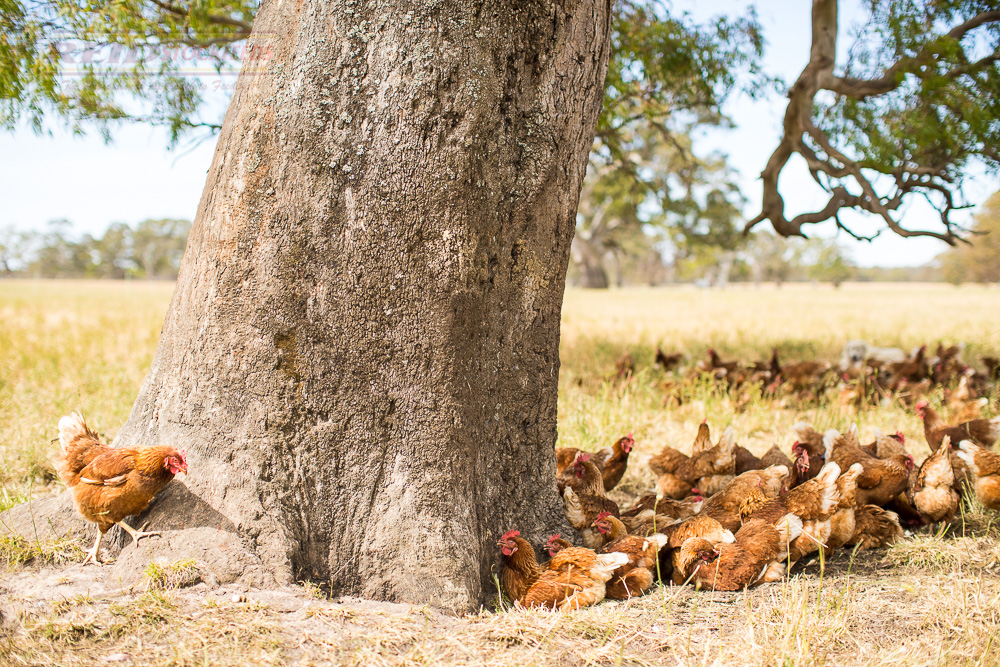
point(110, 484)
point(982, 431)
point(932, 489)
point(985, 467)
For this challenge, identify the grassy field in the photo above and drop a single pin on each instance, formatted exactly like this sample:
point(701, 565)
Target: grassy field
point(931, 599)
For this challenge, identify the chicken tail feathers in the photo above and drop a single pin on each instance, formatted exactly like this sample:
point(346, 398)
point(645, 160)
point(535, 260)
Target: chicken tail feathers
point(967, 452)
point(75, 439)
point(73, 432)
point(789, 528)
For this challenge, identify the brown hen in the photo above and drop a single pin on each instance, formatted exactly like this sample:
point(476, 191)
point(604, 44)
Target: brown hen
point(110, 484)
point(985, 467)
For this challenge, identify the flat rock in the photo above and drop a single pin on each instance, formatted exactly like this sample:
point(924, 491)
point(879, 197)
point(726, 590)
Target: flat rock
point(189, 528)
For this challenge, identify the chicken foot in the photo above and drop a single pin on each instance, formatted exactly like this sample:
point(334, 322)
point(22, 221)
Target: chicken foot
point(137, 534)
point(92, 555)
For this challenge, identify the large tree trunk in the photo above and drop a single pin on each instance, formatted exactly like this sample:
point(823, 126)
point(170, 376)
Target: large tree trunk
point(361, 355)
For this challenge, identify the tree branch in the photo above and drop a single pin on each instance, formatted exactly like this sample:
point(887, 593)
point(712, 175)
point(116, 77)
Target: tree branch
point(844, 175)
point(861, 89)
point(218, 19)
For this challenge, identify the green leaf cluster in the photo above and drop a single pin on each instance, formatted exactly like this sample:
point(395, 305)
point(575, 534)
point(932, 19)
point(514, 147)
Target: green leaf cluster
point(98, 63)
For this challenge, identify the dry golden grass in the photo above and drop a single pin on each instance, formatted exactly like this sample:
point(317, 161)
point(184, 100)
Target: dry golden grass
point(932, 599)
point(68, 345)
point(803, 322)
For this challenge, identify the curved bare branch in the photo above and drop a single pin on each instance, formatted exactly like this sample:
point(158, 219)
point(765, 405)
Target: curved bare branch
point(845, 178)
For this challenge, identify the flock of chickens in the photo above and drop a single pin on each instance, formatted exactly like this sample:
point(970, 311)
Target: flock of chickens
point(722, 519)
point(865, 376)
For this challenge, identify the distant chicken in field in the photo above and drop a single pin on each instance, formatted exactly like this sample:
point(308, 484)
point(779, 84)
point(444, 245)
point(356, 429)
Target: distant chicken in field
point(985, 467)
point(882, 479)
point(710, 470)
point(800, 375)
point(992, 367)
point(915, 369)
point(874, 527)
point(668, 362)
point(636, 576)
point(717, 367)
point(982, 431)
point(110, 484)
point(932, 488)
point(757, 547)
point(583, 506)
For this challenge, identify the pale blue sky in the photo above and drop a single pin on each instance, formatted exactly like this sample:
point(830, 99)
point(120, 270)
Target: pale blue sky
point(82, 179)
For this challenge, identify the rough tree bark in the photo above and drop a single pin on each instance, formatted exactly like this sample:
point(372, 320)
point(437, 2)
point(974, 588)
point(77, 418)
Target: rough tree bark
point(361, 355)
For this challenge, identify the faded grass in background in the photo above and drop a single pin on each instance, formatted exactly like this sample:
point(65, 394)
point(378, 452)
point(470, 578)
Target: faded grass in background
point(64, 346)
point(932, 599)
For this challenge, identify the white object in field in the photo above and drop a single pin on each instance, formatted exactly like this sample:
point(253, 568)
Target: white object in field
point(857, 352)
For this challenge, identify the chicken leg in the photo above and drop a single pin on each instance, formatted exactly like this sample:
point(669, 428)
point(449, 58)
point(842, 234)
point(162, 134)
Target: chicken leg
point(136, 534)
point(92, 555)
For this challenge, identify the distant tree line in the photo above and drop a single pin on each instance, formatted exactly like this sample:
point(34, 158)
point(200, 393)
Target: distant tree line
point(766, 257)
point(152, 249)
